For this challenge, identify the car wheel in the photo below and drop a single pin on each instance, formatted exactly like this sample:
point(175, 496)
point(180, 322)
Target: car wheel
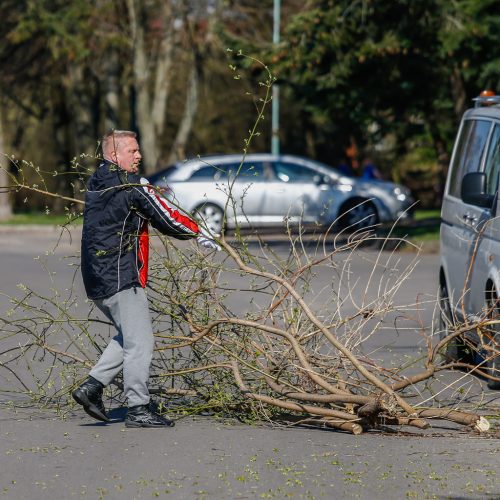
point(212, 216)
point(456, 349)
point(358, 214)
point(493, 365)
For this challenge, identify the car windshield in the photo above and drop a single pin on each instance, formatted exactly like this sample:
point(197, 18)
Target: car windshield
point(164, 174)
point(207, 172)
point(325, 166)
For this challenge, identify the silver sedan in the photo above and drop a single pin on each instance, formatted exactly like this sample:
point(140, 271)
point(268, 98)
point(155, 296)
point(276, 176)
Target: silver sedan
point(270, 190)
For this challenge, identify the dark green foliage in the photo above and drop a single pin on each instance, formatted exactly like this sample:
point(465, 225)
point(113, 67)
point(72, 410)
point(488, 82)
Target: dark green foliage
point(392, 76)
point(362, 63)
point(367, 70)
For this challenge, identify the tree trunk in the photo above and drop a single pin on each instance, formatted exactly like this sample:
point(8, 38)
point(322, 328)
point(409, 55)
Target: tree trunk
point(80, 100)
point(151, 99)
point(149, 148)
point(63, 134)
point(442, 156)
point(163, 71)
point(111, 92)
point(458, 93)
point(192, 97)
point(5, 204)
point(310, 143)
point(200, 36)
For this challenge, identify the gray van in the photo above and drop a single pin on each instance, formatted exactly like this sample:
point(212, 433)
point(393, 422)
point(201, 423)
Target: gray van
point(469, 276)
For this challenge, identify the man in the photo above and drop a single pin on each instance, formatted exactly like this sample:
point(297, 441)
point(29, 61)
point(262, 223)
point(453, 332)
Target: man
point(119, 205)
point(369, 170)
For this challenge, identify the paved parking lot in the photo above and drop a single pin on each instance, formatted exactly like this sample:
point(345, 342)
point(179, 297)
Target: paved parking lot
point(43, 456)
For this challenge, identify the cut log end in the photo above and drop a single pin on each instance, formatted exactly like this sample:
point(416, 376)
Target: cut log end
point(482, 425)
point(356, 429)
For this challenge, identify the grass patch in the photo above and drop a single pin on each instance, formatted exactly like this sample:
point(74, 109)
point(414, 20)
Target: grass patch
point(416, 234)
point(424, 227)
point(39, 218)
point(427, 214)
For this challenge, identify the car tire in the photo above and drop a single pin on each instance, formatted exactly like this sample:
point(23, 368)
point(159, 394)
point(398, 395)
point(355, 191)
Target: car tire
point(211, 216)
point(358, 214)
point(456, 349)
point(493, 365)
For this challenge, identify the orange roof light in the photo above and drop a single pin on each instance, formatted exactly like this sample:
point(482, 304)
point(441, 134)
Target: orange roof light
point(486, 98)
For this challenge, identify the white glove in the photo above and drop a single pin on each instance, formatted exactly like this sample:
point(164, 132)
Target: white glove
point(205, 239)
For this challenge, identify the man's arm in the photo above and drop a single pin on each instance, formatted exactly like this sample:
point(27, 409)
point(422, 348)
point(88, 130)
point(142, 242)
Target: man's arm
point(161, 214)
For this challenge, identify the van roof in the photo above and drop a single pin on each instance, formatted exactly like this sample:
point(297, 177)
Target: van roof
point(492, 111)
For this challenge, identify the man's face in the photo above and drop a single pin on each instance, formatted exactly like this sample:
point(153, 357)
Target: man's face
point(128, 155)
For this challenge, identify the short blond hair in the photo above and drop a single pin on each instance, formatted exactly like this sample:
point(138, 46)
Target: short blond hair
point(111, 140)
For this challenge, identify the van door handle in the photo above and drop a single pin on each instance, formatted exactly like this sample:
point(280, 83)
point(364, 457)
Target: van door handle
point(469, 219)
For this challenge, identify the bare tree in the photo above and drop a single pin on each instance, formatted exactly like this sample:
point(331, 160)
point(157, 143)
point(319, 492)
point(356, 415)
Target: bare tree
point(199, 36)
point(174, 43)
point(152, 71)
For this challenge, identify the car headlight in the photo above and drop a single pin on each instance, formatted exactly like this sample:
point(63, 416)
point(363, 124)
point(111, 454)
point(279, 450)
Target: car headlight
point(401, 193)
point(344, 187)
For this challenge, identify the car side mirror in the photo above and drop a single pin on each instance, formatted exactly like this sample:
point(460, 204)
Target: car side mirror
point(474, 190)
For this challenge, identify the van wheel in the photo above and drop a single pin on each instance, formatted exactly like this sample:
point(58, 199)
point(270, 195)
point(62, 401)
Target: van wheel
point(493, 365)
point(456, 349)
point(212, 216)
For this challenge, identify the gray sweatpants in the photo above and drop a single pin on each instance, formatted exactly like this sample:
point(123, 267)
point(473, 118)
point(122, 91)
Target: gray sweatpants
point(132, 348)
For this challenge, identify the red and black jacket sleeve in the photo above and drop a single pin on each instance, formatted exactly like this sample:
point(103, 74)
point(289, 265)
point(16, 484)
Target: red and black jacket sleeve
point(162, 215)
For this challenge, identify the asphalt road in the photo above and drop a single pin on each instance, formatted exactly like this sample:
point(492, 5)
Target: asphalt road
point(42, 456)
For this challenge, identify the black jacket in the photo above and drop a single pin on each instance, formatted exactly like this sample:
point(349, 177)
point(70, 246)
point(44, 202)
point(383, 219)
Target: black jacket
point(118, 207)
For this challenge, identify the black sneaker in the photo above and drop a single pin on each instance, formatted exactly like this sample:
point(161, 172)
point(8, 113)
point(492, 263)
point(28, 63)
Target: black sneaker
point(143, 416)
point(89, 395)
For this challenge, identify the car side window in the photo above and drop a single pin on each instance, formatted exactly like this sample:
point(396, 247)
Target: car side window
point(249, 172)
point(204, 173)
point(293, 173)
point(492, 165)
point(469, 152)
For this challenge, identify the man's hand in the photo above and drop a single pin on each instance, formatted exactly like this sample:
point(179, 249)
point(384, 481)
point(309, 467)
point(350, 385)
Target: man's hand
point(206, 239)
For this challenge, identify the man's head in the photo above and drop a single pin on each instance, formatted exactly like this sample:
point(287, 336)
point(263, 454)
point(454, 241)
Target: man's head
point(121, 148)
